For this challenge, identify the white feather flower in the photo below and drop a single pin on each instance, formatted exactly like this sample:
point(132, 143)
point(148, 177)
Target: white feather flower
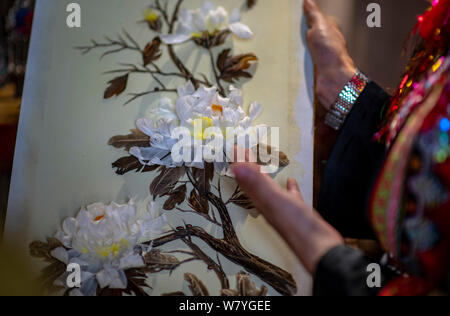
point(204, 107)
point(207, 20)
point(103, 240)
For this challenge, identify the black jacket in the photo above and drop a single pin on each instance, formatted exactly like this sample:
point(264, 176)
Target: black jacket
point(349, 177)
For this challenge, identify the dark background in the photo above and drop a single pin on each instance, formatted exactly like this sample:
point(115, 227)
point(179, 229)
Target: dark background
point(377, 51)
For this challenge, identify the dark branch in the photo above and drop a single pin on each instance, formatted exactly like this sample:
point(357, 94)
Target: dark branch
point(216, 74)
point(217, 267)
point(175, 16)
point(139, 95)
point(205, 216)
point(118, 45)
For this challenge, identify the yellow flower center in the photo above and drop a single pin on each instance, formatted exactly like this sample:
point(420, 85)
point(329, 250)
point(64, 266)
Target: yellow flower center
point(200, 125)
point(114, 249)
point(150, 15)
point(204, 34)
point(197, 35)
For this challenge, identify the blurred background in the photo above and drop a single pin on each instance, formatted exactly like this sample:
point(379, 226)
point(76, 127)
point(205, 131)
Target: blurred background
point(377, 51)
point(16, 17)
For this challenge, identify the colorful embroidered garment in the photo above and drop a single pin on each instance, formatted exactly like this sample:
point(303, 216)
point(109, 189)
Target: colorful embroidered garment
point(410, 207)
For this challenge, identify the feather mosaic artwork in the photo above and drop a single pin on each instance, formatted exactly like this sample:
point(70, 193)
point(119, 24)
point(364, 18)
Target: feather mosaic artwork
point(118, 247)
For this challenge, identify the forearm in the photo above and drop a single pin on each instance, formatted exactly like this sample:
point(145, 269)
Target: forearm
point(306, 233)
point(353, 165)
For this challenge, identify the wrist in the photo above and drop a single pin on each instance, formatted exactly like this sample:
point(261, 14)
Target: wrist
point(345, 101)
point(308, 235)
point(331, 82)
point(326, 239)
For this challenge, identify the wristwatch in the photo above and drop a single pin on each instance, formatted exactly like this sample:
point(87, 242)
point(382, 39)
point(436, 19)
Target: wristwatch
point(347, 98)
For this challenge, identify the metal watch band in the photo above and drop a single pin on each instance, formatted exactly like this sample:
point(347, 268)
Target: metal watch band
point(347, 98)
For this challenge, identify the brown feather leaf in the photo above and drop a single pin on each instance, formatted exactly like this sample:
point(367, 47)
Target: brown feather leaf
point(230, 293)
point(152, 51)
point(247, 288)
point(195, 285)
point(116, 86)
point(135, 139)
point(130, 163)
point(243, 201)
point(166, 181)
point(204, 177)
point(39, 249)
point(198, 203)
point(233, 68)
point(157, 261)
point(176, 197)
point(174, 294)
point(222, 59)
point(212, 40)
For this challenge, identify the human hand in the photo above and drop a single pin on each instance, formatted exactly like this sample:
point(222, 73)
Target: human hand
point(333, 64)
point(308, 235)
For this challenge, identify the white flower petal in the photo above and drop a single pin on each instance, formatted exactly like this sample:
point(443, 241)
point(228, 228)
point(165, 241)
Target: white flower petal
point(79, 261)
point(96, 209)
point(236, 95)
point(186, 89)
point(241, 30)
point(207, 7)
point(153, 228)
point(64, 239)
point(216, 20)
point(88, 286)
point(166, 104)
point(184, 108)
point(198, 21)
point(255, 110)
point(106, 277)
point(131, 261)
point(149, 156)
point(70, 226)
point(60, 254)
point(120, 282)
point(146, 126)
point(172, 39)
point(165, 111)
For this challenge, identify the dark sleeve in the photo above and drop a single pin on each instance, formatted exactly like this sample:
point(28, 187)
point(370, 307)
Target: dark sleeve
point(353, 166)
point(343, 272)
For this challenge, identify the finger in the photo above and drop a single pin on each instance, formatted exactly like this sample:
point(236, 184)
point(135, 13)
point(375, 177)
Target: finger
point(312, 12)
point(333, 22)
point(292, 187)
point(259, 187)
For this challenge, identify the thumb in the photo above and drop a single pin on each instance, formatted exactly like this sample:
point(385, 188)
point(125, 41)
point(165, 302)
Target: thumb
point(292, 187)
point(259, 187)
point(312, 12)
